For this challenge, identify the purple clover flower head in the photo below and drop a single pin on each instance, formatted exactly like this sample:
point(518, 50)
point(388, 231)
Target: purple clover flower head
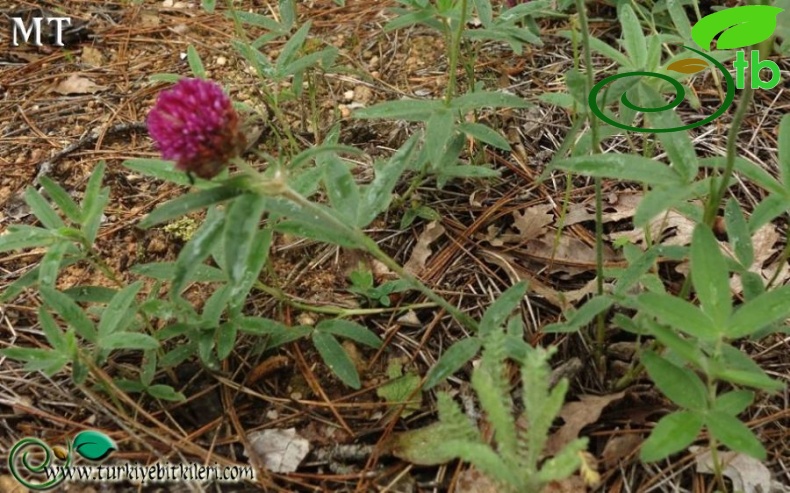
point(194, 124)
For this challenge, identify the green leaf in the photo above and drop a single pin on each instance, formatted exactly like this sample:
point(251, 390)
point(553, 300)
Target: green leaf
point(679, 18)
point(61, 198)
point(294, 43)
point(164, 271)
point(214, 307)
point(350, 330)
point(377, 195)
point(499, 311)
point(341, 189)
point(452, 360)
point(70, 311)
point(165, 392)
point(680, 385)
point(18, 237)
point(42, 210)
point(678, 145)
point(336, 358)
point(414, 110)
point(766, 211)
point(309, 226)
point(178, 355)
point(208, 5)
point(195, 201)
point(93, 215)
point(45, 360)
point(626, 167)
point(743, 26)
point(258, 255)
point(196, 250)
point(260, 21)
point(51, 331)
point(164, 170)
point(680, 314)
point(767, 308)
point(195, 65)
point(226, 339)
point(483, 458)
point(634, 39)
point(748, 169)
point(287, 9)
point(93, 203)
point(582, 316)
point(128, 340)
point(241, 227)
point(399, 388)
point(734, 434)
point(484, 134)
point(561, 99)
point(93, 445)
point(484, 11)
point(50, 263)
point(170, 78)
point(439, 130)
point(113, 317)
point(733, 403)
point(738, 233)
point(710, 276)
point(684, 348)
point(673, 433)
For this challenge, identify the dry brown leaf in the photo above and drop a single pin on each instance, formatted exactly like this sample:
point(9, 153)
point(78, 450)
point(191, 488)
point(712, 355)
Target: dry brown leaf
point(282, 450)
point(149, 19)
point(578, 213)
point(577, 415)
point(422, 250)
point(532, 223)
point(683, 228)
point(747, 474)
point(619, 447)
point(516, 273)
point(91, 56)
point(571, 254)
point(623, 206)
point(75, 84)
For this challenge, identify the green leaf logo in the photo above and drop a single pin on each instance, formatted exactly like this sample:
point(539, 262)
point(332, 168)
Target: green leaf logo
point(740, 27)
point(93, 445)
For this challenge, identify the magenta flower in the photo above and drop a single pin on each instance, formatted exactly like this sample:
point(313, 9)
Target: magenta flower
point(194, 124)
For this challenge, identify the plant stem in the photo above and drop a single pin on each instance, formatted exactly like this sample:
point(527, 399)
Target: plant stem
point(367, 243)
point(712, 207)
point(455, 49)
point(600, 334)
point(333, 310)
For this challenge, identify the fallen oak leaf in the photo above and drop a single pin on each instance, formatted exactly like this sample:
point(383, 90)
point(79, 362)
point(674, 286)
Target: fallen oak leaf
point(75, 84)
point(422, 250)
point(577, 415)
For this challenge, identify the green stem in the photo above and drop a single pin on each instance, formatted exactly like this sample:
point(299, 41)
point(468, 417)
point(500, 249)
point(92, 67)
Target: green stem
point(714, 202)
point(333, 310)
point(455, 49)
point(600, 334)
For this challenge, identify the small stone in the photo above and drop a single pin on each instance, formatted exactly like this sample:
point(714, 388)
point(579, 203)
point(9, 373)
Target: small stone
point(221, 61)
point(348, 95)
point(344, 111)
point(363, 94)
